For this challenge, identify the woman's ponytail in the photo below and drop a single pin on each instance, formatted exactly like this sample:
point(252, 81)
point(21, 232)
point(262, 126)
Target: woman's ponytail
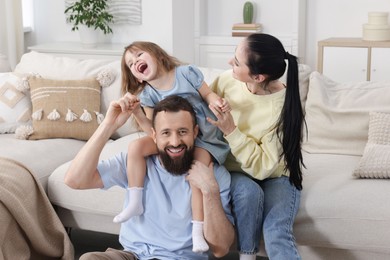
point(291, 122)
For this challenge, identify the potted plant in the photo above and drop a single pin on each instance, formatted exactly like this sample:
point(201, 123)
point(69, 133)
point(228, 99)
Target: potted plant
point(91, 14)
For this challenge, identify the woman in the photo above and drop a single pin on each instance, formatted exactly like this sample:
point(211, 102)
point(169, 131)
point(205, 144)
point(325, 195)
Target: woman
point(264, 131)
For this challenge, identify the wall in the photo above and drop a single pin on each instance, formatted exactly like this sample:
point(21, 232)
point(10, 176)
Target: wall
point(170, 22)
point(157, 21)
point(337, 18)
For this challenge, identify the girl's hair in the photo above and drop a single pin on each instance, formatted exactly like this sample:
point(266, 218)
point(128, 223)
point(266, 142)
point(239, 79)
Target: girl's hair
point(266, 55)
point(165, 62)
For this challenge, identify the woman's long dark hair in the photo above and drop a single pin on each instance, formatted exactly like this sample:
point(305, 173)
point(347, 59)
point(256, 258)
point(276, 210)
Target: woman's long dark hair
point(266, 55)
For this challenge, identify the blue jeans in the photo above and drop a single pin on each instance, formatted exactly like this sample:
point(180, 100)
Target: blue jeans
point(269, 206)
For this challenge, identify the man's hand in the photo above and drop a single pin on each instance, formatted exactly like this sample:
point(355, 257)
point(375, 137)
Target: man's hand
point(120, 110)
point(202, 177)
point(218, 231)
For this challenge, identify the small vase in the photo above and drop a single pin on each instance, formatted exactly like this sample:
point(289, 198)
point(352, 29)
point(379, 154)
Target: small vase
point(89, 36)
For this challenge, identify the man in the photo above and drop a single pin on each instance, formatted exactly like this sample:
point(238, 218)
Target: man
point(163, 231)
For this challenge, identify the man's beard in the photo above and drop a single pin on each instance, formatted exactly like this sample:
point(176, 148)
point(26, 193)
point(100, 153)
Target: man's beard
point(178, 165)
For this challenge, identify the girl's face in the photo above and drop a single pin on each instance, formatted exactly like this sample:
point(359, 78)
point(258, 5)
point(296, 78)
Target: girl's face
point(141, 64)
point(238, 62)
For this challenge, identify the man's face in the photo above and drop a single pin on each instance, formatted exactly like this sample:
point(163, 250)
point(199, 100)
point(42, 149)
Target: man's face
point(175, 134)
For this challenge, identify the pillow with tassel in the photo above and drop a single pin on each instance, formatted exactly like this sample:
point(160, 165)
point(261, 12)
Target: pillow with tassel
point(63, 109)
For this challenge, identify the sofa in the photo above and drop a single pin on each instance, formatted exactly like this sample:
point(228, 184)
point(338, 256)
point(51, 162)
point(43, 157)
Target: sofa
point(345, 206)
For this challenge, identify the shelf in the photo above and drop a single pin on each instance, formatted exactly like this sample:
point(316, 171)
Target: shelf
point(363, 59)
point(352, 42)
point(76, 49)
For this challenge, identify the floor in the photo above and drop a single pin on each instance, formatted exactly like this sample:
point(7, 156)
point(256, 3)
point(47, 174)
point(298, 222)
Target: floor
point(87, 241)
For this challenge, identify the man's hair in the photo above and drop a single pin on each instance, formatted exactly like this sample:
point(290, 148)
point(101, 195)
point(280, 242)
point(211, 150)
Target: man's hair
point(174, 103)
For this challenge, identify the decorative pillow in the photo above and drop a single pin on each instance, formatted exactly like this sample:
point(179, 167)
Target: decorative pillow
point(64, 108)
point(15, 105)
point(107, 72)
point(337, 114)
point(375, 162)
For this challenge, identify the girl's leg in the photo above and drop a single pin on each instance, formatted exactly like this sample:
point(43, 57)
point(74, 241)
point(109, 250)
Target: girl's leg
point(247, 208)
point(136, 171)
point(281, 203)
point(198, 241)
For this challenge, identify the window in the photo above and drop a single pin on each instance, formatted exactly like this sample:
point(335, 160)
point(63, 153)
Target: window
point(28, 12)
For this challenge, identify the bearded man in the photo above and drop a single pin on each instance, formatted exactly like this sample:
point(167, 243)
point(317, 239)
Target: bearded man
point(163, 231)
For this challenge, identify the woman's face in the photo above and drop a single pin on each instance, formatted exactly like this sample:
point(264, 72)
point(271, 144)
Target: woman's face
point(141, 64)
point(238, 63)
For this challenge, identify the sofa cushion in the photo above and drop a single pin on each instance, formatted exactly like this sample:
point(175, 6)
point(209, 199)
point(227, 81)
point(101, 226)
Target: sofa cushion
point(340, 211)
point(94, 202)
point(64, 108)
point(337, 114)
point(60, 68)
point(375, 162)
point(15, 105)
point(42, 157)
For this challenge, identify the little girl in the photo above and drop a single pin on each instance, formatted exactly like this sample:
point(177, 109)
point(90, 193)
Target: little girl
point(149, 71)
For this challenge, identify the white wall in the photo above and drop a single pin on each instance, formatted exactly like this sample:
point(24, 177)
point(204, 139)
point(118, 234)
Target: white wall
point(157, 20)
point(337, 18)
point(325, 18)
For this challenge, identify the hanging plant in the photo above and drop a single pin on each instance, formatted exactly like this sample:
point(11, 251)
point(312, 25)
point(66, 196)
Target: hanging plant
point(91, 13)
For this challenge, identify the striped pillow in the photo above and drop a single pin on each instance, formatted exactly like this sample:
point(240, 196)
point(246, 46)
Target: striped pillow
point(64, 108)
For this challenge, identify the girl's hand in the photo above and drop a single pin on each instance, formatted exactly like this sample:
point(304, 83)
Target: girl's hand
point(224, 122)
point(129, 102)
point(225, 106)
point(222, 104)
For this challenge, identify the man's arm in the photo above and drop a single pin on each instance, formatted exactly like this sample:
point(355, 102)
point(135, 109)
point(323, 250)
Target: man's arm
point(83, 173)
point(218, 230)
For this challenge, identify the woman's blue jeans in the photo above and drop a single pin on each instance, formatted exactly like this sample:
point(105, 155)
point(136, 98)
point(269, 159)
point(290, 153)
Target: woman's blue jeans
point(265, 208)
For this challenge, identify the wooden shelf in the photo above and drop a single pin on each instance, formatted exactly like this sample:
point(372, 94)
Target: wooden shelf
point(349, 43)
point(77, 50)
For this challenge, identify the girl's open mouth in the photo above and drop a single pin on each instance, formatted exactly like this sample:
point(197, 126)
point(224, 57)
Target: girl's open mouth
point(142, 67)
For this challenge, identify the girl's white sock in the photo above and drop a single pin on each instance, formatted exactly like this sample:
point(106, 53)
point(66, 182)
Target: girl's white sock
point(134, 206)
point(199, 244)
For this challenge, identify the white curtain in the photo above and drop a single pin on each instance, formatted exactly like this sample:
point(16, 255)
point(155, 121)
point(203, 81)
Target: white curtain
point(11, 31)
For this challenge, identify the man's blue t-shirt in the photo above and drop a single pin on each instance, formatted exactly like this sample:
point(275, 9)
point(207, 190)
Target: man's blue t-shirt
point(164, 230)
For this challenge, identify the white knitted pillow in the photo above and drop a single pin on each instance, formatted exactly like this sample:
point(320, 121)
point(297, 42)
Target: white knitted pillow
point(375, 162)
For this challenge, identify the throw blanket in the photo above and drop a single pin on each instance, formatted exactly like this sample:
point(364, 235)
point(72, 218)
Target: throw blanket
point(29, 226)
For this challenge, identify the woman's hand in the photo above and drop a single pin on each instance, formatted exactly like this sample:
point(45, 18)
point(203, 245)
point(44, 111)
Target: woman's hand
point(224, 121)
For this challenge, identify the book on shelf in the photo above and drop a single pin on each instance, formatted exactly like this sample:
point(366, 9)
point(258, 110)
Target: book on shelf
point(243, 34)
point(245, 29)
point(246, 26)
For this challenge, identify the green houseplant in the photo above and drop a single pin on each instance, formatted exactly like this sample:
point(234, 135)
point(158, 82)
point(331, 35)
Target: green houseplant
point(91, 13)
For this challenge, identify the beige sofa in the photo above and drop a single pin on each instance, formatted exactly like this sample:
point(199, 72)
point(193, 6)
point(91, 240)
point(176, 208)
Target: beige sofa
point(341, 216)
